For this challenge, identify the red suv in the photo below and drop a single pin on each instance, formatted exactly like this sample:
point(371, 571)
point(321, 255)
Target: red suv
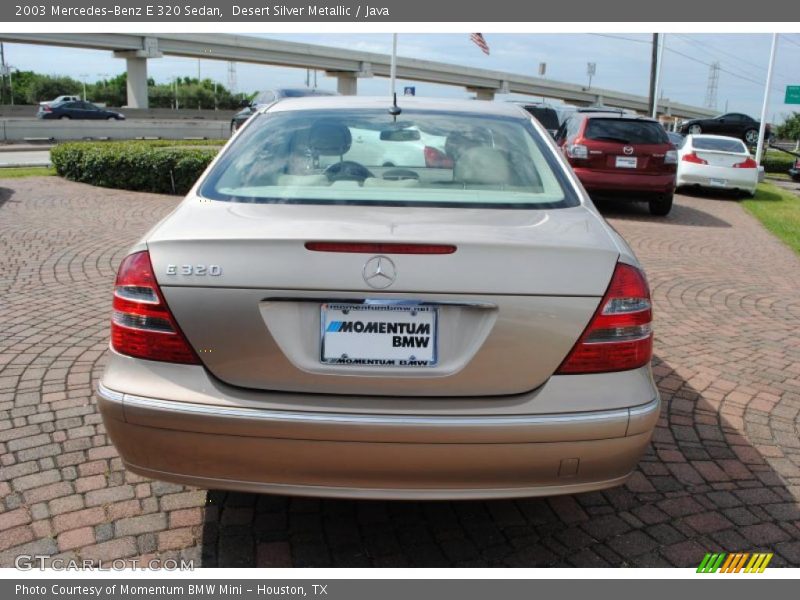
point(621, 155)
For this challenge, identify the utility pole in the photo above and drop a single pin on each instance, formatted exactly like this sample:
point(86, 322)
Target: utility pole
point(658, 94)
point(653, 74)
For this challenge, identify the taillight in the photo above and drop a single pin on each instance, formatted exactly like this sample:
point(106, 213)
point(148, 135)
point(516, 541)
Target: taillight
point(748, 163)
point(578, 151)
point(797, 164)
point(619, 337)
point(436, 159)
point(671, 157)
point(47, 108)
point(693, 158)
point(142, 325)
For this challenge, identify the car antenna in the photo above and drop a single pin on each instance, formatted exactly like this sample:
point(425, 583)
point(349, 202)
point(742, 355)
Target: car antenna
point(395, 110)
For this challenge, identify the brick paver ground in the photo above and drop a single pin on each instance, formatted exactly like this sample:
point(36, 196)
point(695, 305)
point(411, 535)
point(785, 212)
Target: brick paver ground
point(723, 472)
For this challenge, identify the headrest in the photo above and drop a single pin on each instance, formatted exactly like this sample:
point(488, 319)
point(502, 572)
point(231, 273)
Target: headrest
point(329, 138)
point(458, 142)
point(483, 166)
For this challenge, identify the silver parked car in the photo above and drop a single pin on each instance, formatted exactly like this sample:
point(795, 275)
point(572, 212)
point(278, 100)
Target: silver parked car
point(307, 323)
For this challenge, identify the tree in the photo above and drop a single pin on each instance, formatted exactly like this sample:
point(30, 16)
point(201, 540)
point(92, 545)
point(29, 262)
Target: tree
point(47, 87)
point(790, 128)
point(32, 88)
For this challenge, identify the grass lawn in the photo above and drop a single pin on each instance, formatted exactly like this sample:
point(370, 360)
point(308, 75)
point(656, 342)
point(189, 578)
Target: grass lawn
point(15, 172)
point(779, 211)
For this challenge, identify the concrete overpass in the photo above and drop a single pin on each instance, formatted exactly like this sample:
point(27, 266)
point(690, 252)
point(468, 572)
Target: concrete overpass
point(346, 65)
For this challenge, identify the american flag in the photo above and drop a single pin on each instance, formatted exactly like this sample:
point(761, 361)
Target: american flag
point(479, 41)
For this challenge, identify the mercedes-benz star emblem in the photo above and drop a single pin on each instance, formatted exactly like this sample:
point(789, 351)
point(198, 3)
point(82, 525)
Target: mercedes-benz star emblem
point(379, 272)
point(628, 150)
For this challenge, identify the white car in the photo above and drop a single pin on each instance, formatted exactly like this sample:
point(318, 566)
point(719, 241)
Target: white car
point(715, 161)
point(61, 99)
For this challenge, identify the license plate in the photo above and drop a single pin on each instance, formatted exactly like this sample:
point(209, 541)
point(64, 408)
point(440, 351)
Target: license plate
point(717, 182)
point(626, 162)
point(379, 335)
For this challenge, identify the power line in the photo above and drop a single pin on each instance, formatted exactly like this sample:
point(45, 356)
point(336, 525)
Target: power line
point(788, 39)
point(703, 44)
point(686, 56)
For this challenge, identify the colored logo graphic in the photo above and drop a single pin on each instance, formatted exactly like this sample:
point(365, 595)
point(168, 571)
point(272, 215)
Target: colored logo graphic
point(734, 563)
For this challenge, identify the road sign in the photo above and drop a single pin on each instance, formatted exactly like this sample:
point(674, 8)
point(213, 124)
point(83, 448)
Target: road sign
point(410, 90)
point(792, 94)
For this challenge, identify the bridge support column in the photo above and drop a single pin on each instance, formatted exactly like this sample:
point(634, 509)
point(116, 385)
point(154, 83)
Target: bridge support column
point(136, 63)
point(347, 83)
point(482, 93)
point(137, 82)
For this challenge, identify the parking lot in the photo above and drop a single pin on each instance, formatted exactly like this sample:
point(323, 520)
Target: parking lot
point(722, 474)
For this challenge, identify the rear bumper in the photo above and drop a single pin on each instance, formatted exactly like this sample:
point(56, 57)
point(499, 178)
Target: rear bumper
point(718, 177)
point(229, 445)
point(603, 182)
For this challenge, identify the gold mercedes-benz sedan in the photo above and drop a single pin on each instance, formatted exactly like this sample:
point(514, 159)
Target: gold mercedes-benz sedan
point(373, 300)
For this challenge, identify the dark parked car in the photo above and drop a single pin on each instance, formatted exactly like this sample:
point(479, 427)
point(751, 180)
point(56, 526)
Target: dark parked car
point(546, 115)
point(619, 155)
point(268, 97)
point(794, 172)
point(736, 125)
point(77, 109)
point(676, 138)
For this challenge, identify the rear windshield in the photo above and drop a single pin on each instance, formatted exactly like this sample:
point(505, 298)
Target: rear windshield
point(368, 157)
point(719, 144)
point(626, 131)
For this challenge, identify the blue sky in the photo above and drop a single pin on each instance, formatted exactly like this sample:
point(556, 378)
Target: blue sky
point(623, 62)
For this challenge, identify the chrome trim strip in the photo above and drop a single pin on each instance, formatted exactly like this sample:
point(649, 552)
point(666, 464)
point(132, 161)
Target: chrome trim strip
point(379, 301)
point(644, 409)
point(109, 395)
point(132, 401)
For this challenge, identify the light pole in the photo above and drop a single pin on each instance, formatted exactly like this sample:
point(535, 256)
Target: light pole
point(83, 77)
point(763, 127)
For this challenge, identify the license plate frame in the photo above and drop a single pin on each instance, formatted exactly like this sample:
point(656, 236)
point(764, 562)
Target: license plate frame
point(626, 162)
point(343, 342)
point(717, 182)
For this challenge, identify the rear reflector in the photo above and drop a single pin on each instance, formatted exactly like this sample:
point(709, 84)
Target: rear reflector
point(369, 248)
point(619, 336)
point(693, 158)
point(142, 325)
point(748, 163)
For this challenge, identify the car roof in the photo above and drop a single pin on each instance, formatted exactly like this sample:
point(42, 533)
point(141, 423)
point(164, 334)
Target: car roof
point(615, 115)
point(694, 136)
point(507, 109)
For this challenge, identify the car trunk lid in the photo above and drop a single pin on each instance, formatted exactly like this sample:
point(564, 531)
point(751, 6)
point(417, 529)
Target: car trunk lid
point(507, 305)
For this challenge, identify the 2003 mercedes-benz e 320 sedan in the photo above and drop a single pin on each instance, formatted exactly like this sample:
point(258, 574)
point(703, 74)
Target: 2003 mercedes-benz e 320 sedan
point(354, 302)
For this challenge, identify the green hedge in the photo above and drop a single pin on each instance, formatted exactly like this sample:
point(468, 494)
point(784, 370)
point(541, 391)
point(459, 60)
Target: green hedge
point(776, 161)
point(146, 166)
